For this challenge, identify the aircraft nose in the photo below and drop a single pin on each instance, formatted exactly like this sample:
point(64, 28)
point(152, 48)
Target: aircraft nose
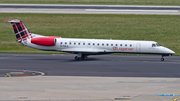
point(167, 51)
point(170, 51)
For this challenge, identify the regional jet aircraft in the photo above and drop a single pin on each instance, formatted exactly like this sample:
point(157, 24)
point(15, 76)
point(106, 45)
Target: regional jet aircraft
point(85, 47)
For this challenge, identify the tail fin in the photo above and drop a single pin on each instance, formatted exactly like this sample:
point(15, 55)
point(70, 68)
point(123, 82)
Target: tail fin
point(21, 32)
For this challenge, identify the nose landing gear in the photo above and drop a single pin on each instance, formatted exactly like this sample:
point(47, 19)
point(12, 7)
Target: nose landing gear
point(162, 59)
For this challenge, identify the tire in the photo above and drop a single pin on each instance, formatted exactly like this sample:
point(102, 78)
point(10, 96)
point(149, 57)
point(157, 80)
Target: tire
point(162, 59)
point(76, 58)
point(79, 58)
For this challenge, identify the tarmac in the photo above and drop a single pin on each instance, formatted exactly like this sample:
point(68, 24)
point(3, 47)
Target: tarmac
point(89, 9)
point(95, 65)
point(58, 77)
point(78, 88)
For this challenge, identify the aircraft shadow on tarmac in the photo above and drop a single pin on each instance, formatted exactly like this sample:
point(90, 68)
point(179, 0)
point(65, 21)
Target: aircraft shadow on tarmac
point(100, 59)
point(89, 59)
point(65, 60)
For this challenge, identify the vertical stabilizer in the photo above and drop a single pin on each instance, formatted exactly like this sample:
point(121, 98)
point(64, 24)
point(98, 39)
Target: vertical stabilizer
point(20, 30)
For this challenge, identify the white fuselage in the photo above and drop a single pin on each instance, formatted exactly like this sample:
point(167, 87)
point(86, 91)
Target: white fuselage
point(85, 47)
point(94, 46)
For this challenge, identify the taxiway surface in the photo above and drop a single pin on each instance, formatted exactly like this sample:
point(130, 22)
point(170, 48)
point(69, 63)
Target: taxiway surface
point(99, 78)
point(101, 65)
point(89, 9)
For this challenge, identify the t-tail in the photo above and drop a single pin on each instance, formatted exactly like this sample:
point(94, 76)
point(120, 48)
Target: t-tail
point(20, 30)
point(27, 38)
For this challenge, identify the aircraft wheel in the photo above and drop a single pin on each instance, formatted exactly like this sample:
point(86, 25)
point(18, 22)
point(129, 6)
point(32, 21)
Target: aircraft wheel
point(162, 59)
point(84, 57)
point(79, 58)
point(76, 58)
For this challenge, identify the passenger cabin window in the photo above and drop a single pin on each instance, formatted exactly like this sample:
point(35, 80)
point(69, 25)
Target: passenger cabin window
point(70, 43)
point(74, 43)
point(79, 43)
point(93, 44)
point(98, 44)
point(65, 42)
point(83, 43)
point(116, 44)
point(89, 44)
point(126, 45)
point(130, 45)
point(107, 44)
point(61, 43)
point(111, 44)
point(120, 44)
point(102, 44)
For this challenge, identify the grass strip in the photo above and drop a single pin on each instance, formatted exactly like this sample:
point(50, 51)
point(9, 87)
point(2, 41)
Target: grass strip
point(7, 74)
point(163, 29)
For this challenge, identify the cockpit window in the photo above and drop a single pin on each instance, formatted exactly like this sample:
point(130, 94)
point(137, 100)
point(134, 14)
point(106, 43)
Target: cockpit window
point(158, 44)
point(153, 45)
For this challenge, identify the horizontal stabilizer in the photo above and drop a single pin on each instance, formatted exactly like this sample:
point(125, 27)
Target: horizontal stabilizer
point(15, 21)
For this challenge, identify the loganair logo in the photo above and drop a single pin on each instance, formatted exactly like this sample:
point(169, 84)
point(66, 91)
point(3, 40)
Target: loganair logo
point(122, 49)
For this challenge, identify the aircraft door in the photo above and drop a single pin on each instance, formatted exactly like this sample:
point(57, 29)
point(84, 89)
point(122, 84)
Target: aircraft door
point(89, 45)
point(138, 47)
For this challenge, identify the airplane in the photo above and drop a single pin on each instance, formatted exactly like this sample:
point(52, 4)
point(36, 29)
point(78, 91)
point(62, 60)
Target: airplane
point(85, 47)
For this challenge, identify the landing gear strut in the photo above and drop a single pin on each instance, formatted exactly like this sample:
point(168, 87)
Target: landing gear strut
point(162, 59)
point(77, 58)
point(80, 56)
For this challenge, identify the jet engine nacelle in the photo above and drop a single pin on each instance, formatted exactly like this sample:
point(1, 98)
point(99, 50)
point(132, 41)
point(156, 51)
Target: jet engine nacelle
point(44, 41)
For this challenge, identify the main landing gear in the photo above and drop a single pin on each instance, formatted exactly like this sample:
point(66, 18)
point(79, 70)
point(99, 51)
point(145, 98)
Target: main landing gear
point(80, 56)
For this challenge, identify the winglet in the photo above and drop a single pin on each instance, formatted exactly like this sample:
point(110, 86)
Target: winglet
point(15, 21)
